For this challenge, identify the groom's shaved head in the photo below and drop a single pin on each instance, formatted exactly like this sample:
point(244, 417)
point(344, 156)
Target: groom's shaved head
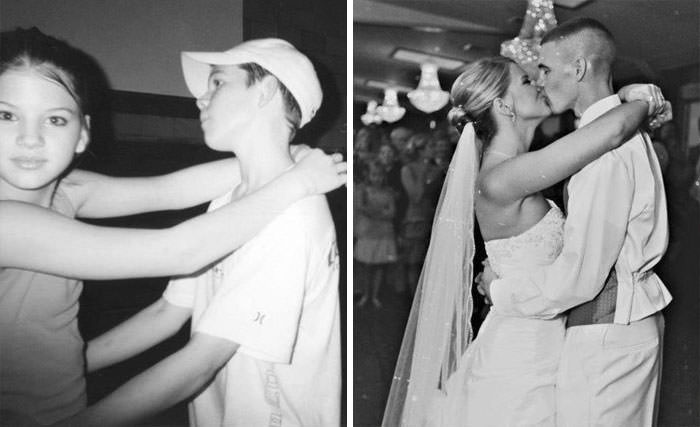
point(585, 37)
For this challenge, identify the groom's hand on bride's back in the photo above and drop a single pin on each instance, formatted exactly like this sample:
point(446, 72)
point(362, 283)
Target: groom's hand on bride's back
point(483, 281)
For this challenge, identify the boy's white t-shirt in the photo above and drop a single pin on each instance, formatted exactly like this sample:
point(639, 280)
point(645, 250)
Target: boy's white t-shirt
point(277, 296)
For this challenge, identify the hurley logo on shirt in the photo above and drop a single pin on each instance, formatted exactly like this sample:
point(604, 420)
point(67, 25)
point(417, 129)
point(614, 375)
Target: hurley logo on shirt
point(259, 318)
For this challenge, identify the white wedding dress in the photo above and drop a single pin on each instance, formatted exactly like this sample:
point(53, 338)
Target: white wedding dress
point(508, 373)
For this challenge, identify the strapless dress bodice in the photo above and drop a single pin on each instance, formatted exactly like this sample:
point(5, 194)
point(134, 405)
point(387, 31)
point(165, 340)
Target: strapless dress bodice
point(536, 246)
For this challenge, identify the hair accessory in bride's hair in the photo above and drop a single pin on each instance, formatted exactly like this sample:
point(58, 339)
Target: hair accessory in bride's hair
point(459, 117)
point(463, 111)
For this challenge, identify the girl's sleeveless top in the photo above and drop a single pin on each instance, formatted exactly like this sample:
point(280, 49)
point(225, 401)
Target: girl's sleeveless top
point(42, 362)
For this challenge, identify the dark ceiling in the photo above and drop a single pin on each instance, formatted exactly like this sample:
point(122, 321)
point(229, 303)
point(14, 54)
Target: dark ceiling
point(651, 35)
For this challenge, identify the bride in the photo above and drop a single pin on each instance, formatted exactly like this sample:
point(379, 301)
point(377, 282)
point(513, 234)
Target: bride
point(506, 376)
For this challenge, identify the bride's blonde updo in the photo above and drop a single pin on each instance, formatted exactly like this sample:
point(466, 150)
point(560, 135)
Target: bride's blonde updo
point(473, 94)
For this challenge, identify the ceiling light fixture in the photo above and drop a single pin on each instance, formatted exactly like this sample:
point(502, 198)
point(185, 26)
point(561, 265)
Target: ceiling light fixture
point(525, 48)
point(390, 111)
point(371, 116)
point(428, 96)
point(377, 84)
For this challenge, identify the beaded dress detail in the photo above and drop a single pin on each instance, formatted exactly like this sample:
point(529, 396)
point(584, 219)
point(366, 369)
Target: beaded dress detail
point(538, 245)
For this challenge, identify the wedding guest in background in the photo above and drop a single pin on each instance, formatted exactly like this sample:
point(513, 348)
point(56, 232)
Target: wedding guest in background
point(375, 248)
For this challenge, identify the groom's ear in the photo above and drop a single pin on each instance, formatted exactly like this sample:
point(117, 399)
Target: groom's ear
point(580, 68)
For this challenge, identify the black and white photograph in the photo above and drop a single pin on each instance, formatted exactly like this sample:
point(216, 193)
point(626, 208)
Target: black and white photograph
point(173, 213)
point(366, 213)
point(526, 225)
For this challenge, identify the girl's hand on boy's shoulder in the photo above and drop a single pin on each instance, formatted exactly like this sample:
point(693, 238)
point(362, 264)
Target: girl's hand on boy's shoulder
point(320, 172)
point(299, 151)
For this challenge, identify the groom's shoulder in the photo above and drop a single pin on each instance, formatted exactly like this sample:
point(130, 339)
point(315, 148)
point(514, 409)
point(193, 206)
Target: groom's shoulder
point(634, 148)
point(609, 163)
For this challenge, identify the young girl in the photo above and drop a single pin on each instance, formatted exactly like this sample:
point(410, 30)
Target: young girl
point(376, 246)
point(44, 123)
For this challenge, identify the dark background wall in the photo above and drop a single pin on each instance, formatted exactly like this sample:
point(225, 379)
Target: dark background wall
point(137, 42)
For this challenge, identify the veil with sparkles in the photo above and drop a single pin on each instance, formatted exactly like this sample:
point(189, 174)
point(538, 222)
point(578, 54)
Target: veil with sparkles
point(439, 329)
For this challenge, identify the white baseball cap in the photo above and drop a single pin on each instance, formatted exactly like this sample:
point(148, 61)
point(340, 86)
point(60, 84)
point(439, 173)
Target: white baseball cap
point(277, 56)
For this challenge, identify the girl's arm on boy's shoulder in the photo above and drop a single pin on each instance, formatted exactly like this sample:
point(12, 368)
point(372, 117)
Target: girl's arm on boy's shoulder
point(98, 196)
point(172, 380)
point(140, 332)
point(35, 238)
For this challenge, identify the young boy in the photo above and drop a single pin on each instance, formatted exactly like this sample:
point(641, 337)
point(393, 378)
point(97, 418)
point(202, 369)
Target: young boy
point(265, 345)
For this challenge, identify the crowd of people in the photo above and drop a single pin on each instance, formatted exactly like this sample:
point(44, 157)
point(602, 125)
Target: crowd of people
point(680, 164)
point(398, 174)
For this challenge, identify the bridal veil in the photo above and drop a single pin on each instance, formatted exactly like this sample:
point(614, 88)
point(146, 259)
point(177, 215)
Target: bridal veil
point(438, 328)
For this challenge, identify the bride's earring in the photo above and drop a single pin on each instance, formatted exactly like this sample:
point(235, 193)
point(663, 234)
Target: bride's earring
point(506, 109)
point(512, 113)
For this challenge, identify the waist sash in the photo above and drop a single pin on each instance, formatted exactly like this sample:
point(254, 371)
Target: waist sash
point(600, 309)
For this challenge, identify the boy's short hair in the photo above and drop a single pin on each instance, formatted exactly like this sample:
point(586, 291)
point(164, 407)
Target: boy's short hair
point(292, 110)
point(596, 40)
point(575, 26)
point(292, 68)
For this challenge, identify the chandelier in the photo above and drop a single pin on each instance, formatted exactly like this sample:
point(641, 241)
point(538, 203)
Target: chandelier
point(539, 18)
point(428, 96)
point(390, 111)
point(371, 116)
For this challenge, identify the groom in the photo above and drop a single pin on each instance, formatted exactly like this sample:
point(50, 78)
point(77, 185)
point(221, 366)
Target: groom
point(616, 231)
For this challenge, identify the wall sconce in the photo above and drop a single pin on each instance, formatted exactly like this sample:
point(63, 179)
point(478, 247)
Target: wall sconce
point(371, 116)
point(390, 111)
point(428, 96)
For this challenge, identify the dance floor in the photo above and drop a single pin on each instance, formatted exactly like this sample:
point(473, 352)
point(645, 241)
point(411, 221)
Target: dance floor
point(377, 337)
point(378, 333)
